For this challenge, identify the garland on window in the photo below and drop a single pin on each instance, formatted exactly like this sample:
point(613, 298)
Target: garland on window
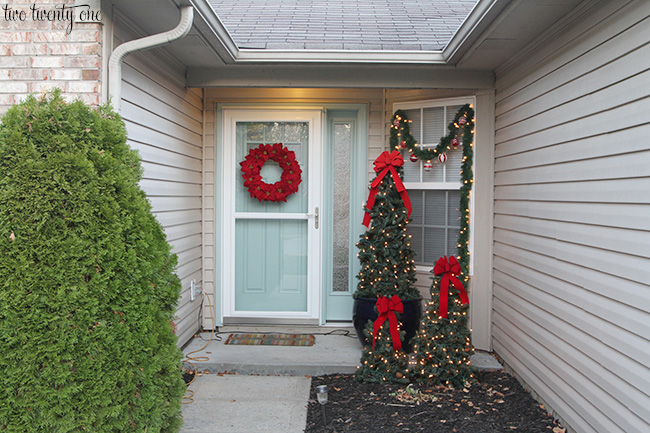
point(461, 134)
point(255, 160)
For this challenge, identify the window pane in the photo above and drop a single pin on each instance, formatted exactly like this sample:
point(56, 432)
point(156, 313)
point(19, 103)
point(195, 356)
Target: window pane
point(452, 242)
point(411, 169)
point(416, 241)
point(433, 126)
point(342, 147)
point(435, 208)
point(417, 203)
point(454, 209)
point(434, 244)
point(454, 161)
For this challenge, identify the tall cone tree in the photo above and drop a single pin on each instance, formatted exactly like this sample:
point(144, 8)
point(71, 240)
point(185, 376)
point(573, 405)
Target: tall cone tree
point(87, 289)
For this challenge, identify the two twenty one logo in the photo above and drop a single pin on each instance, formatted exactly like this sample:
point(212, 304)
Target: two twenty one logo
point(88, 11)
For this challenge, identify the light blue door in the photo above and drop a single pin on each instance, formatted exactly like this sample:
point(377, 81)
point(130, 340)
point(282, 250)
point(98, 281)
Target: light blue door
point(274, 261)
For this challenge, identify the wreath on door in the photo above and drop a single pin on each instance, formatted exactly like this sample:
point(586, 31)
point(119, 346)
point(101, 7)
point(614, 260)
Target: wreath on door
point(289, 180)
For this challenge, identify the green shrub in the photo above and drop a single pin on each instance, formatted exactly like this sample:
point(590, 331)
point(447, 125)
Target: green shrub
point(87, 289)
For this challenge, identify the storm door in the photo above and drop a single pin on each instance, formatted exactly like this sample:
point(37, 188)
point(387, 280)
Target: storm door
point(271, 248)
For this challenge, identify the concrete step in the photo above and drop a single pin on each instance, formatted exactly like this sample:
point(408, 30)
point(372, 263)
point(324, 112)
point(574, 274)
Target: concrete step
point(335, 351)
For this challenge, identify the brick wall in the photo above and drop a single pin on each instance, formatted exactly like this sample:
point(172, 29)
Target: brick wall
point(40, 55)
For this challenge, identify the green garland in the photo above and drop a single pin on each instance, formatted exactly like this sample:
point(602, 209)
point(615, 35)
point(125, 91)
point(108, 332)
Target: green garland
point(400, 137)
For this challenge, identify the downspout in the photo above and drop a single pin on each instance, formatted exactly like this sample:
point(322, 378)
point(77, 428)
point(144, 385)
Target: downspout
point(118, 55)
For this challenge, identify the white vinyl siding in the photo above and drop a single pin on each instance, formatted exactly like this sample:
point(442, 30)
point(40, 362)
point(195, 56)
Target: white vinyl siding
point(572, 219)
point(164, 122)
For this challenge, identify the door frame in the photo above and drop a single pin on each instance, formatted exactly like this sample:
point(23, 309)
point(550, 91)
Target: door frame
point(315, 118)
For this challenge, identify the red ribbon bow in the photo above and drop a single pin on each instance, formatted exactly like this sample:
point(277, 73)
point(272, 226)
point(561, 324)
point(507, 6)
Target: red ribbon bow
point(385, 163)
point(386, 309)
point(448, 268)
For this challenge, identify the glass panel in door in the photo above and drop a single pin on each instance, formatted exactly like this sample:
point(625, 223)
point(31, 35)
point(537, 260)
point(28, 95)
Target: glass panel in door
point(271, 238)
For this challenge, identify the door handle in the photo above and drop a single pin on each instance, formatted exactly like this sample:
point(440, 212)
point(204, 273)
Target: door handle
point(315, 215)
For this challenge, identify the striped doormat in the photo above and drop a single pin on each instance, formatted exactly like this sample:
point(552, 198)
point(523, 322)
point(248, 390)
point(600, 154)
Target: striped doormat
point(272, 339)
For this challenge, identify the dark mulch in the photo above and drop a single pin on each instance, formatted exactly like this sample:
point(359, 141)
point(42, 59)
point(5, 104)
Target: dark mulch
point(495, 403)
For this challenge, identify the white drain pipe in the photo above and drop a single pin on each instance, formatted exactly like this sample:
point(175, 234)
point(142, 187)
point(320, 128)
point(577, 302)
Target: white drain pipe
point(118, 55)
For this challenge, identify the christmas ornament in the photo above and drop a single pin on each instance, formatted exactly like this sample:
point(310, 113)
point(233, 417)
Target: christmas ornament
point(413, 158)
point(454, 142)
point(289, 180)
point(403, 144)
point(396, 122)
point(442, 158)
point(462, 121)
point(428, 166)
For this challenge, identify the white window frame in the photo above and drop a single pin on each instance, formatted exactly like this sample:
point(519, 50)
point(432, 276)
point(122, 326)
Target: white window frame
point(444, 186)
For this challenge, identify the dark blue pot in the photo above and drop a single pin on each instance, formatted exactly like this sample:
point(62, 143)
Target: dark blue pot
point(364, 310)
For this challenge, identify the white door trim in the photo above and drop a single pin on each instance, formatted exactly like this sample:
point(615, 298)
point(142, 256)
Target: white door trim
point(315, 193)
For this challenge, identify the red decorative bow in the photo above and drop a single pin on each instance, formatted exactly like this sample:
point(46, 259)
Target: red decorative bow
point(386, 309)
point(448, 268)
point(386, 162)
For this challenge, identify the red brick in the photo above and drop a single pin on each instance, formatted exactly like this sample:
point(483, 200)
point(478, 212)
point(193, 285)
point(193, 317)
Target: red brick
point(13, 87)
point(15, 37)
point(63, 49)
point(90, 49)
point(30, 74)
point(47, 62)
point(5, 50)
point(83, 62)
point(49, 37)
point(85, 36)
point(82, 87)
point(90, 74)
point(65, 74)
point(40, 86)
point(5, 74)
point(28, 49)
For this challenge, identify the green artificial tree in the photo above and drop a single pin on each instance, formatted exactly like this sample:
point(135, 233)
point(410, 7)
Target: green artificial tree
point(87, 289)
point(382, 363)
point(443, 346)
point(385, 253)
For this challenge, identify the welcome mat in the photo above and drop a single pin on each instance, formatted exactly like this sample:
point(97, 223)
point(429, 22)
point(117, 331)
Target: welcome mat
point(272, 339)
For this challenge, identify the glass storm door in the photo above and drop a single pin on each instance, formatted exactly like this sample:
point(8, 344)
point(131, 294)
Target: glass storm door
point(272, 249)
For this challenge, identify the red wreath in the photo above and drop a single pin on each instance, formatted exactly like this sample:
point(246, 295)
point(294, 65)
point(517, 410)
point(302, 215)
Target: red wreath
point(280, 190)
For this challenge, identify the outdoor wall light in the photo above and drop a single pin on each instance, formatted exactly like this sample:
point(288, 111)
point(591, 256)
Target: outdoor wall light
point(321, 394)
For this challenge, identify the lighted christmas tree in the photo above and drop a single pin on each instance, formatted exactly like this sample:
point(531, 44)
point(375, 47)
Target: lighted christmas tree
point(387, 260)
point(382, 363)
point(443, 344)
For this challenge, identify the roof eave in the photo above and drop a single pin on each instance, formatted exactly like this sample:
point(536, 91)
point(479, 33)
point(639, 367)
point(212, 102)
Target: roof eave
point(339, 56)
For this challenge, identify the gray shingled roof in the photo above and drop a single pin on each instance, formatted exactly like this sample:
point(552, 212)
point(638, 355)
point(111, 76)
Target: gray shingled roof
point(343, 24)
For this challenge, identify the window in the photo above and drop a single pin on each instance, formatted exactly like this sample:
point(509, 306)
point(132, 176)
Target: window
point(434, 191)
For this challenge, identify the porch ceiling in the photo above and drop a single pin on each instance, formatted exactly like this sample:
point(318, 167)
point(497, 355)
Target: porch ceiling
point(494, 32)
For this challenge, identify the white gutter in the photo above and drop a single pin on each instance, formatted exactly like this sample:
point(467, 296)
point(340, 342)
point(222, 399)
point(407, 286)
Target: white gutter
point(118, 55)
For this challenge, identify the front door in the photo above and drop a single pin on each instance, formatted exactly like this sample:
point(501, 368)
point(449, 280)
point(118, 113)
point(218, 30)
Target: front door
point(271, 249)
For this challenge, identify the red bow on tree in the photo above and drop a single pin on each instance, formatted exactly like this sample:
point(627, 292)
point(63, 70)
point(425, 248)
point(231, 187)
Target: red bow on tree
point(385, 163)
point(448, 268)
point(386, 309)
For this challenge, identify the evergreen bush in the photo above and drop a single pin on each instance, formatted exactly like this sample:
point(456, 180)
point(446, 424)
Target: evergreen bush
point(87, 289)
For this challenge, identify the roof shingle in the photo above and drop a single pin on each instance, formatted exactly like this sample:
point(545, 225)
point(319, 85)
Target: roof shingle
point(343, 24)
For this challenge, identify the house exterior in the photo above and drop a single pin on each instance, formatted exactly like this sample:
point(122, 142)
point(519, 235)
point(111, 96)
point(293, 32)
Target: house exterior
point(560, 210)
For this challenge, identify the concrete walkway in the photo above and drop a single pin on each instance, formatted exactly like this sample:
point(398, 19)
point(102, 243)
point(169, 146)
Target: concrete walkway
point(267, 388)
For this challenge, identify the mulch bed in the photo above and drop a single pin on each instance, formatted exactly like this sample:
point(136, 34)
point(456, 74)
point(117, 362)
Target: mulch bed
point(496, 402)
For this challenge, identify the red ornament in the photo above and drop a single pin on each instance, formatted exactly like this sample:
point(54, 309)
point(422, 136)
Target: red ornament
point(403, 144)
point(413, 158)
point(462, 121)
point(396, 122)
point(428, 166)
point(442, 158)
point(289, 180)
point(454, 142)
